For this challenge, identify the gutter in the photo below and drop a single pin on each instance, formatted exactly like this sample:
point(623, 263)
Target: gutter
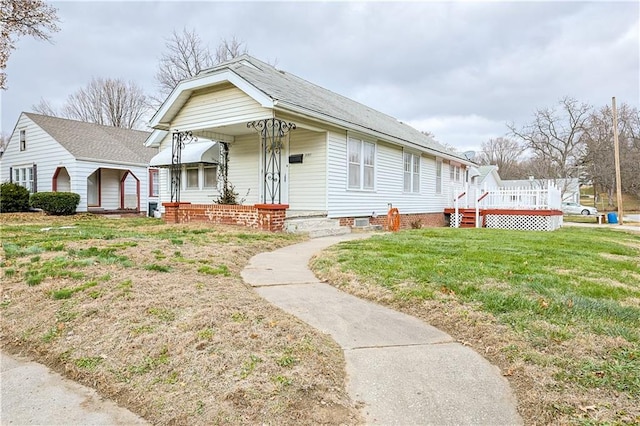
point(289, 107)
point(118, 163)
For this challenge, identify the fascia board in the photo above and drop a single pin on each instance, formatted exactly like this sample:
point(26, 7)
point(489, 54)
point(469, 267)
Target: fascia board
point(186, 87)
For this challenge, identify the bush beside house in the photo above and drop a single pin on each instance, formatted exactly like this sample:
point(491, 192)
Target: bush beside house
point(13, 198)
point(56, 203)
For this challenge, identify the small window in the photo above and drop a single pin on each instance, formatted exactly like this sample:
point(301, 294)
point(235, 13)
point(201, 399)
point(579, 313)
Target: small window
point(193, 178)
point(454, 173)
point(154, 184)
point(210, 176)
point(23, 140)
point(438, 176)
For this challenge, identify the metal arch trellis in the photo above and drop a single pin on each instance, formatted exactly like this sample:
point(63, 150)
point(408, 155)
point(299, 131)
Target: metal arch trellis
point(272, 131)
point(178, 140)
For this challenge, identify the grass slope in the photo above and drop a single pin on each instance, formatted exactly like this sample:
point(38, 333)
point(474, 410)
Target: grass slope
point(157, 318)
point(558, 312)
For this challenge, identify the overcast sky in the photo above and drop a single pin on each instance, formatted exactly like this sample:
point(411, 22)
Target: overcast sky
point(459, 70)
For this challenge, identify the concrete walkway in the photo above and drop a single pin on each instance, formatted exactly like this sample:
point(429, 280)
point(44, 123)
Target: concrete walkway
point(402, 369)
point(31, 394)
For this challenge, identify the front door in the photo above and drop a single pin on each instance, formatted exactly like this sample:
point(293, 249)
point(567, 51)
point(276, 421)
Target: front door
point(274, 174)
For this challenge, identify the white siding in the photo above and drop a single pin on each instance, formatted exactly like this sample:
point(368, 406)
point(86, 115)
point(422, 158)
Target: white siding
point(218, 108)
point(244, 167)
point(307, 181)
point(41, 149)
point(388, 183)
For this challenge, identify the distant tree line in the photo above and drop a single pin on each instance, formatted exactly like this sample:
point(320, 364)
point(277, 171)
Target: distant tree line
point(570, 140)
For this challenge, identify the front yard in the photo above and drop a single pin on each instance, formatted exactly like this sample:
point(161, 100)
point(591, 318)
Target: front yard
point(157, 318)
point(558, 312)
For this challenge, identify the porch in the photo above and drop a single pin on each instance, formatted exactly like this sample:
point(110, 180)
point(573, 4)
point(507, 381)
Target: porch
point(534, 209)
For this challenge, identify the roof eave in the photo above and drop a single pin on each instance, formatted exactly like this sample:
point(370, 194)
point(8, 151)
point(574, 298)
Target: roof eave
point(119, 163)
point(296, 109)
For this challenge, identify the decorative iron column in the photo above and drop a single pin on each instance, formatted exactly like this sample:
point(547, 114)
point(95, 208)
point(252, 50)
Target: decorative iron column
point(272, 131)
point(178, 140)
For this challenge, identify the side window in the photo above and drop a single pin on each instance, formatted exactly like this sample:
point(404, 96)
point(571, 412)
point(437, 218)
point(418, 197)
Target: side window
point(23, 140)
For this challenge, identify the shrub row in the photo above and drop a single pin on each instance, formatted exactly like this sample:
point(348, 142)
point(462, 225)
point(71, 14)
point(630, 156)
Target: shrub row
point(16, 198)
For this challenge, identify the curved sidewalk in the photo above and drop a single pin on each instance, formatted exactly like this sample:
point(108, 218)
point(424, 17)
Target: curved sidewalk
point(403, 370)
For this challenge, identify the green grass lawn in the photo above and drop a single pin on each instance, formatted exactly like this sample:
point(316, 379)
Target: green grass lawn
point(568, 301)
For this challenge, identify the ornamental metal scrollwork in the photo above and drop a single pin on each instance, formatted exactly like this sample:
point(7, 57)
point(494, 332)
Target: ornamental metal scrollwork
point(272, 131)
point(178, 141)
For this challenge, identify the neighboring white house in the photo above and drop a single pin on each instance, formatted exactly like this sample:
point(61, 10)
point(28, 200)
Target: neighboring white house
point(107, 166)
point(569, 188)
point(343, 159)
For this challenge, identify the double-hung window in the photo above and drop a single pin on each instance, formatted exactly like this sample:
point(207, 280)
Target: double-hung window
point(193, 178)
point(23, 140)
point(154, 183)
point(362, 158)
point(23, 176)
point(200, 176)
point(455, 173)
point(411, 172)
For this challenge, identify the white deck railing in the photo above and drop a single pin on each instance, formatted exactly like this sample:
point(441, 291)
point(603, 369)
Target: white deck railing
point(470, 197)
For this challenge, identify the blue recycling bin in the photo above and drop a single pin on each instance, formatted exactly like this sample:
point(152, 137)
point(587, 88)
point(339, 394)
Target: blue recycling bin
point(612, 217)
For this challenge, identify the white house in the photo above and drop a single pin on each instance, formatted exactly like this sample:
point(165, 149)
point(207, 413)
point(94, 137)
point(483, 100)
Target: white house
point(294, 144)
point(107, 166)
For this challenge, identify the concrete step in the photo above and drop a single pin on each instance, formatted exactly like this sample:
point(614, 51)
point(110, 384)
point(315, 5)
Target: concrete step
point(301, 224)
point(327, 232)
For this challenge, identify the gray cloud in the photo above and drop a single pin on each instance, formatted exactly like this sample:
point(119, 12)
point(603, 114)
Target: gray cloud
point(460, 70)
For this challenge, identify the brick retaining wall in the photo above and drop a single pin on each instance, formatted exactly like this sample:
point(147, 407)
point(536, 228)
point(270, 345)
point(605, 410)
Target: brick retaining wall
point(267, 217)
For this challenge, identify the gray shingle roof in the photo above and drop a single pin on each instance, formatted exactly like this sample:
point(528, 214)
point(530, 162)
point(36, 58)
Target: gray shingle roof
point(96, 142)
point(286, 87)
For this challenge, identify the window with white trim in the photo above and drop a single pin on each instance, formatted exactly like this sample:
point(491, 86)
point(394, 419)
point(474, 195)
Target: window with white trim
point(23, 140)
point(23, 176)
point(454, 173)
point(411, 172)
point(361, 157)
point(438, 176)
point(210, 176)
point(193, 178)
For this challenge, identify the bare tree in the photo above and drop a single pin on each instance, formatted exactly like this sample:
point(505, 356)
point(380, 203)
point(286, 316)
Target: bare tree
point(505, 153)
point(554, 138)
point(186, 55)
point(44, 107)
point(23, 17)
point(111, 102)
point(598, 161)
point(229, 49)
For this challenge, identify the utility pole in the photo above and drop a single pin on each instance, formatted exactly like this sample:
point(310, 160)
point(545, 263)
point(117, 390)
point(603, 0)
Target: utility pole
point(616, 150)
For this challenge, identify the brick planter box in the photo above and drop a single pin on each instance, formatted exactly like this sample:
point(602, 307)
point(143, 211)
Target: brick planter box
point(267, 217)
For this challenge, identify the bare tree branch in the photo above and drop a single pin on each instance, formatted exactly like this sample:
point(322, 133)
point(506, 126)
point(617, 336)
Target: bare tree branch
point(19, 18)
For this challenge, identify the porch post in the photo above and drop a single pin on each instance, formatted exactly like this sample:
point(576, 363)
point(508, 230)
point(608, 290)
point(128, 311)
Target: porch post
point(178, 140)
point(271, 131)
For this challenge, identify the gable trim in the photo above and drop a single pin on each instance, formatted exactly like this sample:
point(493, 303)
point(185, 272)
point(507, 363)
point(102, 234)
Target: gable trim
point(179, 96)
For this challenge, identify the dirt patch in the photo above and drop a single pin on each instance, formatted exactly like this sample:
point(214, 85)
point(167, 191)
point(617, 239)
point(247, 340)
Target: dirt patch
point(170, 331)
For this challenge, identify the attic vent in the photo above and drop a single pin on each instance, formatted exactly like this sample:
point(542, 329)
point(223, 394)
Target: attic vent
point(361, 222)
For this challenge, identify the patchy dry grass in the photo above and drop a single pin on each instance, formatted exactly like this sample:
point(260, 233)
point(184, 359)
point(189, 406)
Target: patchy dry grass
point(157, 318)
point(557, 312)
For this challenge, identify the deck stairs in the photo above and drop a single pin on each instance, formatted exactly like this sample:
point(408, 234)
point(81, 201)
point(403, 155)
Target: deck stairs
point(314, 224)
point(468, 218)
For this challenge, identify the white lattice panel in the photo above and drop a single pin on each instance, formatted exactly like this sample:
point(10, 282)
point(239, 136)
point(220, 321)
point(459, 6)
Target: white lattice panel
point(454, 222)
point(524, 222)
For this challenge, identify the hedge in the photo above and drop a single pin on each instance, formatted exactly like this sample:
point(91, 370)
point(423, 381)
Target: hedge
point(13, 198)
point(56, 203)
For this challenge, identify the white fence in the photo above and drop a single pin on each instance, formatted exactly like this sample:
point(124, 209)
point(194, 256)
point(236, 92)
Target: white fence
point(469, 197)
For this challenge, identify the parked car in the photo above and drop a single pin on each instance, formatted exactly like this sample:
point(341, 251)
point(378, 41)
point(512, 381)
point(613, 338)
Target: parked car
point(576, 208)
